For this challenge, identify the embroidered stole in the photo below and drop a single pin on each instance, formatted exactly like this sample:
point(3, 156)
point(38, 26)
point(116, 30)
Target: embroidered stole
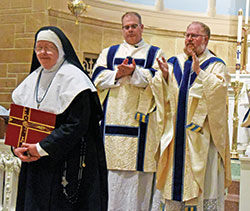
point(179, 148)
point(117, 130)
point(184, 80)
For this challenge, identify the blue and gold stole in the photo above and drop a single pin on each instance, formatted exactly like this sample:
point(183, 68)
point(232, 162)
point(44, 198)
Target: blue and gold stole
point(185, 80)
point(129, 131)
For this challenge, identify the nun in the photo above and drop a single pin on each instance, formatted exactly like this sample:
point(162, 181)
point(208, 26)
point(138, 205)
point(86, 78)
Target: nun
point(66, 170)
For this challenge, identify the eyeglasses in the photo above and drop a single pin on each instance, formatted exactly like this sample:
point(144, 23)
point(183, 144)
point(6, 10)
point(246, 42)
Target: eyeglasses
point(193, 36)
point(133, 26)
point(47, 49)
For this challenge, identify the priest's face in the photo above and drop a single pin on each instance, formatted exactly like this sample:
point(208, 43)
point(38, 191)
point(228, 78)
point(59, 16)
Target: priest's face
point(132, 29)
point(47, 53)
point(195, 40)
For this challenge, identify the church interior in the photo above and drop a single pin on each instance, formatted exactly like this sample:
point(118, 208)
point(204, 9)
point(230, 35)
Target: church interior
point(97, 26)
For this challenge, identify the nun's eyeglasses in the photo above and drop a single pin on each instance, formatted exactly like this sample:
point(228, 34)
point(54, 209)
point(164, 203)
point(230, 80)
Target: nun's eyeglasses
point(47, 49)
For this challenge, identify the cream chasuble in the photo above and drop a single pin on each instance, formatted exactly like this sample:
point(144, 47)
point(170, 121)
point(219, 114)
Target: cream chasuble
point(130, 143)
point(191, 112)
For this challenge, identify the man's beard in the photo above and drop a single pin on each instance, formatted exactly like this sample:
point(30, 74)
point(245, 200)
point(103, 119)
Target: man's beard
point(189, 47)
point(197, 50)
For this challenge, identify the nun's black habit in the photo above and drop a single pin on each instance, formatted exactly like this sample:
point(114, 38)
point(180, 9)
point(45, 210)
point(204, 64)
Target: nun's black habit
point(77, 136)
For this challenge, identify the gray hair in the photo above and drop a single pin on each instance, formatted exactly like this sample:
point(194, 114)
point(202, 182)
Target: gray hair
point(205, 28)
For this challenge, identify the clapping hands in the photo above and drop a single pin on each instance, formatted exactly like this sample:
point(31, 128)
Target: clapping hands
point(125, 69)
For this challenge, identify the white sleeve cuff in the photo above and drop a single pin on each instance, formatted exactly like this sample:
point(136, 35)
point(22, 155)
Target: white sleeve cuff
point(138, 79)
point(201, 75)
point(40, 150)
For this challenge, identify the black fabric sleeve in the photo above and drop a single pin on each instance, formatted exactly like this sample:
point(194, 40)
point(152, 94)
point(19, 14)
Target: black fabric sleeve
point(71, 125)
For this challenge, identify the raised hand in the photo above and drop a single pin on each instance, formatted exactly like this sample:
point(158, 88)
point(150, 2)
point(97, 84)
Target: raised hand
point(163, 67)
point(196, 64)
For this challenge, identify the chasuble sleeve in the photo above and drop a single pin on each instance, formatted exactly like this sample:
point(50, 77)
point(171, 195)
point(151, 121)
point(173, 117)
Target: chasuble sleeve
point(142, 76)
point(165, 104)
point(103, 77)
point(71, 125)
point(215, 89)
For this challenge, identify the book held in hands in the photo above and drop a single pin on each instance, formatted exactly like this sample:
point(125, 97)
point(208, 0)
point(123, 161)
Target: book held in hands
point(28, 125)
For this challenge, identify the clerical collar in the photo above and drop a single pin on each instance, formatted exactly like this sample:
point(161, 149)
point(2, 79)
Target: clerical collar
point(137, 45)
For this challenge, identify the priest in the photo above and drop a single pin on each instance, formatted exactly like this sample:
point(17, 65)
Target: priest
point(190, 92)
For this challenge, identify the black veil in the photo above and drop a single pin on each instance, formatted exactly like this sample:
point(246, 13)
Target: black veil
point(70, 56)
point(68, 49)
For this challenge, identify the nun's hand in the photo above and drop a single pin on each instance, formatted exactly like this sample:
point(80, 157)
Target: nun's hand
point(32, 150)
point(24, 155)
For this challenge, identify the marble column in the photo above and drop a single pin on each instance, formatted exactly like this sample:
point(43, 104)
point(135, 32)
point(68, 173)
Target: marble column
point(159, 5)
point(211, 10)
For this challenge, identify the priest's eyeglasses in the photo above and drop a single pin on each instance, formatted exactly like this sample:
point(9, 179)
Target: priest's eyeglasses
point(47, 49)
point(132, 26)
point(193, 36)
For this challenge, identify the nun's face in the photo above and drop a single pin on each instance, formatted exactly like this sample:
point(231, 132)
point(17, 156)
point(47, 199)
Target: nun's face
point(47, 53)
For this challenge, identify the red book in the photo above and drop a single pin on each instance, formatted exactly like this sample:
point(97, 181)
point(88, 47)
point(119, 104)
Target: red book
point(28, 125)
